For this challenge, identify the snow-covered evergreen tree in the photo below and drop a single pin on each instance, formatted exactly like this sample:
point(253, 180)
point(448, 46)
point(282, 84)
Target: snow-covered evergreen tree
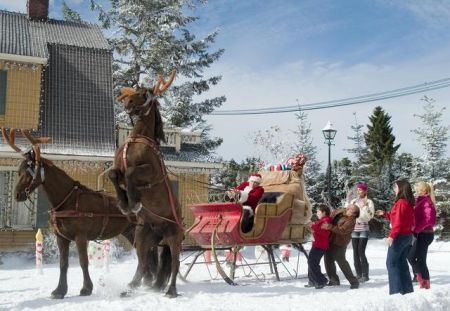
point(380, 142)
point(433, 135)
point(232, 174)
point(303, 142)
point(404, 167)
point(340, 174)
point(151, 38)
point(359, 150)
point(69, 14)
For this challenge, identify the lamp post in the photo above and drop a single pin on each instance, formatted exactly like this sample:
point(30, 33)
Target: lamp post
point(329, 133)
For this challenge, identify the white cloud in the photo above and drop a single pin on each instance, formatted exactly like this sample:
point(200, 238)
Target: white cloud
point(281, 86)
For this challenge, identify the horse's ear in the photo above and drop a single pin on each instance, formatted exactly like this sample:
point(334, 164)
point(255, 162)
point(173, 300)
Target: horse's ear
point(126, 91)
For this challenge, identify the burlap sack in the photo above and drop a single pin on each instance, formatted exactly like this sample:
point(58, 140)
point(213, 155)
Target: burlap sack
point(291, 182)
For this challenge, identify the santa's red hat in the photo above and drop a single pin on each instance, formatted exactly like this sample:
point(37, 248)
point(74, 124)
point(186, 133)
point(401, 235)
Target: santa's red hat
point(255, 177)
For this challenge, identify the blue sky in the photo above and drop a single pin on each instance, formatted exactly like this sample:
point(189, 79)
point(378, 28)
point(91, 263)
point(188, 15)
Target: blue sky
point(278, 51)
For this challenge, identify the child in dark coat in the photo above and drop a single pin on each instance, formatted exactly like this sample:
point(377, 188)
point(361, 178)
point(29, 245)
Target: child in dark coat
point(319, 246)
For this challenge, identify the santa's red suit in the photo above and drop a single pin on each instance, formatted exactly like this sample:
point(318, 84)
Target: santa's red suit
point(249, 197)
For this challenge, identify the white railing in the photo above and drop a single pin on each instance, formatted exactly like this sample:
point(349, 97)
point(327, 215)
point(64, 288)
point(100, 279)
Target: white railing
point(174, 136)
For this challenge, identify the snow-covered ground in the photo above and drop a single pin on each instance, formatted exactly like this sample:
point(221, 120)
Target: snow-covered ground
point(21, 288)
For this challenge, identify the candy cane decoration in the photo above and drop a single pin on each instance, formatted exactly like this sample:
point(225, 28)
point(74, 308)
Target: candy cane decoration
point(39, 248)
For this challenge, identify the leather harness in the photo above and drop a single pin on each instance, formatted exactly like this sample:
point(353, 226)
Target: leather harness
point(55, 213)
point(141, 139)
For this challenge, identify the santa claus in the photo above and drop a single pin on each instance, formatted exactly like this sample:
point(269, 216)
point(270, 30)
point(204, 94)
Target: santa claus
point(248, 193)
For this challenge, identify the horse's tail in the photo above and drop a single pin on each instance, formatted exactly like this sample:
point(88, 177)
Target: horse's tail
point(164, 268)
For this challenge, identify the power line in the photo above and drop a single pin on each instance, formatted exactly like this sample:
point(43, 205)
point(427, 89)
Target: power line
point(427, 86)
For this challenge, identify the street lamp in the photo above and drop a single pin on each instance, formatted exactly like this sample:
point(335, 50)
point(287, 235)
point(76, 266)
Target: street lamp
point(329, 133)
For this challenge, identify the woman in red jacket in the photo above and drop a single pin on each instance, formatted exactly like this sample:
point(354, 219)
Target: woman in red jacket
point(400, 238)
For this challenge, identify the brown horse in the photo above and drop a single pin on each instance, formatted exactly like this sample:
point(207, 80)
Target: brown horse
point(78, 214)
point(142, 185)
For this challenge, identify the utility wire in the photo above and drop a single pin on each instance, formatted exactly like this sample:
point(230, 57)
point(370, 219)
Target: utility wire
point(427, 86)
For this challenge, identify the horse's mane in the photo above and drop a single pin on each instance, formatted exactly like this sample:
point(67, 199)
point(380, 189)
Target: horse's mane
point(159, 125)
point(62, 172)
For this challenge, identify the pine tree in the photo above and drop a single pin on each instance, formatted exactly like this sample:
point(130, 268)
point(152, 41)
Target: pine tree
point(69, 14)
point(433, 136)
point(378, 162)
point(380, 142)
point(234, 173)
point(359, 150)
point(151, 38)
point(340, 174)
point(404, 167)
point(358, 139)
point(314, 182)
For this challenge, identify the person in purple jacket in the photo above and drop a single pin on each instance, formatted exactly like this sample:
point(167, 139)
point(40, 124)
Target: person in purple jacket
point(424, 221)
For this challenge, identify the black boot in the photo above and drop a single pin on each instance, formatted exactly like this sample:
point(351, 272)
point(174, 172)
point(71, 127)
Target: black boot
point(364, 273)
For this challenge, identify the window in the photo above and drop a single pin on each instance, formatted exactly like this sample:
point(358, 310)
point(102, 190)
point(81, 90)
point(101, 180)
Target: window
point(3, 76)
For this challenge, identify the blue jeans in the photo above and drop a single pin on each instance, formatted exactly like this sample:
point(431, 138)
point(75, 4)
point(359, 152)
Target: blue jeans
point(397, 265)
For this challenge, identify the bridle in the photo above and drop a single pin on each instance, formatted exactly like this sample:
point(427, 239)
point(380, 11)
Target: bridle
point(147, 106)
point(37, 173)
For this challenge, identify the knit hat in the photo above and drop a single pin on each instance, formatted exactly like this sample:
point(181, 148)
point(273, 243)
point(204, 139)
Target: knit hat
point(362, 186)
point(255, 177)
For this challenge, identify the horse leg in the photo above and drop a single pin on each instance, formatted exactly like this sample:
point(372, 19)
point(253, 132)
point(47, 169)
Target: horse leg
point(164, 268)
point(151, 267)
point(82, 244)
point(174, 241)
point(137, 176)
point(63, 246)
point(142, 250)
point(122, 199)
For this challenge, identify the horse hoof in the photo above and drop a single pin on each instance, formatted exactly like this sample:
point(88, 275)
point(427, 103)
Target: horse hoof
point(56, 296)
point(85, 292)
point(126, 293)
point(171, 293)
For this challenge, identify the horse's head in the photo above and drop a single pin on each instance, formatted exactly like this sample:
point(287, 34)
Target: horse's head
point(138, 101)
point(29, 174)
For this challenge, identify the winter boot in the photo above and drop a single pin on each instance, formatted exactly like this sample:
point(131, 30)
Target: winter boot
point(425, 284)
point(419, 279)
point(363, 278)
point(364, 272)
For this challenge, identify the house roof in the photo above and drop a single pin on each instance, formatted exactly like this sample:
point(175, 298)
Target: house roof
point(78, 112)
point(20, 36)
point(77, 109)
